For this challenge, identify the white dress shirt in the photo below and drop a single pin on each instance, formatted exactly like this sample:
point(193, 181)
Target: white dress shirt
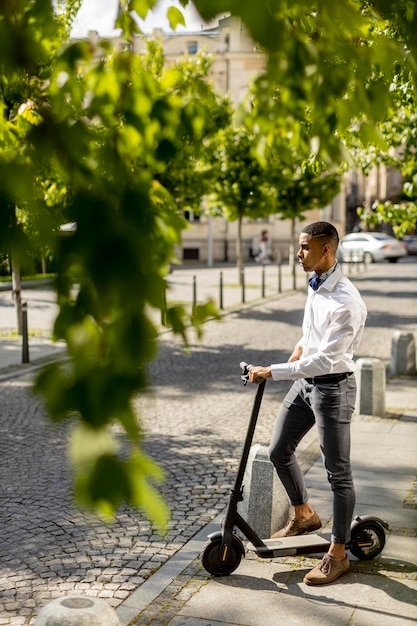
point(334, 319)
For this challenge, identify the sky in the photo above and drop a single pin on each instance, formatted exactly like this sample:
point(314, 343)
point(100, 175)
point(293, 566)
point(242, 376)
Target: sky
point(100, 15)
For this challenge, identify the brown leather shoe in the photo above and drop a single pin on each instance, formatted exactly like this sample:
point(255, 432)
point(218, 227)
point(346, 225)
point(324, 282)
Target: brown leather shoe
point(327, 571)
point(296, 527)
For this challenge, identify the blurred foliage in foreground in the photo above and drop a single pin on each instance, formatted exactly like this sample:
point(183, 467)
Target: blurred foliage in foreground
point(96, 138)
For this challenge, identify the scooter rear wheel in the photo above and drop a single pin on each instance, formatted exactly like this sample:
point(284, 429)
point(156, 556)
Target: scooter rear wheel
point(213, 562)
point(367, 541)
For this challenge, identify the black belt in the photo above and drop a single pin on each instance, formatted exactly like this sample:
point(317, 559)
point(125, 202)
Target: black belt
point(331, 378)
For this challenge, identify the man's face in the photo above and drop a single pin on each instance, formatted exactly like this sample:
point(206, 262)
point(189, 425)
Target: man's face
point(313, 253)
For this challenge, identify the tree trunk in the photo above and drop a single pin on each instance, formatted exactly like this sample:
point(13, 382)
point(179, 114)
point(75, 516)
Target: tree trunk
point(239, 255)
point(226, 243)
point(16, 280)
point(291, 250)
point(17, 294)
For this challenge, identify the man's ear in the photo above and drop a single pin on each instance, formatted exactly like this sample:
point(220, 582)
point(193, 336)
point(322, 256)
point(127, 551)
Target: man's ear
point(327, 249)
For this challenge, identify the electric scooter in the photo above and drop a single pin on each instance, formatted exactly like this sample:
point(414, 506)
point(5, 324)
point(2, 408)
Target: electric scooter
point(224, 550)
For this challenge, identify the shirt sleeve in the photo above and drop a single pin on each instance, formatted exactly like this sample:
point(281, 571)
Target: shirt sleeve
point(300, 342)
point(334, 352)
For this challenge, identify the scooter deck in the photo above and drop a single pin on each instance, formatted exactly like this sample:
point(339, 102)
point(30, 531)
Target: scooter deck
point(290, 546)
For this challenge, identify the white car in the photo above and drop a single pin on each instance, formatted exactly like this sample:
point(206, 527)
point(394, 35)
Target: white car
point(411, 243)
point(371, 247)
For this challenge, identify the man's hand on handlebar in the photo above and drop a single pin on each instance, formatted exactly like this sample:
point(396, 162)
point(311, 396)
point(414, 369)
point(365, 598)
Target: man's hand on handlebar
point(258, 373)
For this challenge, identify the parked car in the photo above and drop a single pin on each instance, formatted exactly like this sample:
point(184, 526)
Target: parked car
point(411, 243)
point(371, 247)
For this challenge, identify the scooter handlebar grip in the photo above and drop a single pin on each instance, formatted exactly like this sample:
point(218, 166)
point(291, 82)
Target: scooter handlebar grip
point(246, 367)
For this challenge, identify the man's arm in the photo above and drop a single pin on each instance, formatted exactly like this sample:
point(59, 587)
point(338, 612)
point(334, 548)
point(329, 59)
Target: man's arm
point(257, 372)
point(296, 355)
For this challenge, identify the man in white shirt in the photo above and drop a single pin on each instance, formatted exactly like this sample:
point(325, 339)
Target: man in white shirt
point(323, 393)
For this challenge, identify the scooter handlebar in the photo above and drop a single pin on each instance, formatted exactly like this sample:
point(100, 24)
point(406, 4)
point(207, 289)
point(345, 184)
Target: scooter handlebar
point(245, 373)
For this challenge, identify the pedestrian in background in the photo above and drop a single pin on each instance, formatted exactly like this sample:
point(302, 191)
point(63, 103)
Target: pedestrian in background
point(264, 253)
point(323, 393)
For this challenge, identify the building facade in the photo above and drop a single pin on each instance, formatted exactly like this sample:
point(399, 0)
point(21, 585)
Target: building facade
point(381, 184)
point(236, 62)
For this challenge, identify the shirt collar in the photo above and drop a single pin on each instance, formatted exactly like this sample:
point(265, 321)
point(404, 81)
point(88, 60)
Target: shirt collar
point(328, 273)
point(323, 277)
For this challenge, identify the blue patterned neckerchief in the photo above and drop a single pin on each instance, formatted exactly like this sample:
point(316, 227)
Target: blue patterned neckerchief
point(315, 281)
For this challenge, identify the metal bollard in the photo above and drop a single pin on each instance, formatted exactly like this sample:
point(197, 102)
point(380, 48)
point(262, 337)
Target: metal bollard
point(194, 291)
point(77, 611)
point(242, 277)
point(279, 277)
point(25, 335)
point(164, 306)
point(263, 282)
point(221, 291)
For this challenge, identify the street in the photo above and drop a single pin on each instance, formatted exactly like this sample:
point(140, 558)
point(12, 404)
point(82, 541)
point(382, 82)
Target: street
point(194, 420)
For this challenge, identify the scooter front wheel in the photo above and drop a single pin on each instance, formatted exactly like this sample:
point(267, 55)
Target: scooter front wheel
point(367, 541)
point(222, 565)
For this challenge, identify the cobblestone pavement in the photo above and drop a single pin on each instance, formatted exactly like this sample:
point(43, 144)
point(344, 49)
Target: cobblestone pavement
point(194, 419)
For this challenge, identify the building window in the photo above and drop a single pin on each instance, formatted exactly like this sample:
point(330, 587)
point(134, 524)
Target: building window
point(126, 47)
point(190, 216)
point(191, 254)
point(192, 47)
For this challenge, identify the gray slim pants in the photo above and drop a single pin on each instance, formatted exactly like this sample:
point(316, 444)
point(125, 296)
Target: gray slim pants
point(330, 406)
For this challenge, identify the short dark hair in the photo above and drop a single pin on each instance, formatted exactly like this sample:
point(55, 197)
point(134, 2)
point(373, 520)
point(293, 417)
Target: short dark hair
point(323, 229)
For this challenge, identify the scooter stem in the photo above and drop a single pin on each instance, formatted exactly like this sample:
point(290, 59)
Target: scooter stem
point(249, 436)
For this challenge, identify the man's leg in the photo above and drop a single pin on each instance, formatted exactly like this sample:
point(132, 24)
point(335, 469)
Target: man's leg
point(333, 406)
point(294, 420)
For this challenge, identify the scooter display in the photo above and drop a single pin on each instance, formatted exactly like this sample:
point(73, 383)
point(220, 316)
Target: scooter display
point(224, 550)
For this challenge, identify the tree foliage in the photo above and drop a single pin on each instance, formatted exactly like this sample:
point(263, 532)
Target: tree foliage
point(192, 171)
point(398, 132)
point(276, 179)
point(333, 63)
point(325, 58)
point(97, 138)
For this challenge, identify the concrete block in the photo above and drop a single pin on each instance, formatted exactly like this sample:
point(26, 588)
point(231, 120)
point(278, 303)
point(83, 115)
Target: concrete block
point(371, 380)
point(265, 504)
point(77, 611)
point(403, 353)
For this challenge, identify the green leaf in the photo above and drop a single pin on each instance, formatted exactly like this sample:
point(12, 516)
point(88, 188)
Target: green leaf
point(106, 486)
point(88, 444)
point(175, 17)
point(370, 135)
point(203, 312)
point(53, 382)
point(144, 494)
point(142, 7)
point(177, 318)
point(84, 341)
point(104, 482)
